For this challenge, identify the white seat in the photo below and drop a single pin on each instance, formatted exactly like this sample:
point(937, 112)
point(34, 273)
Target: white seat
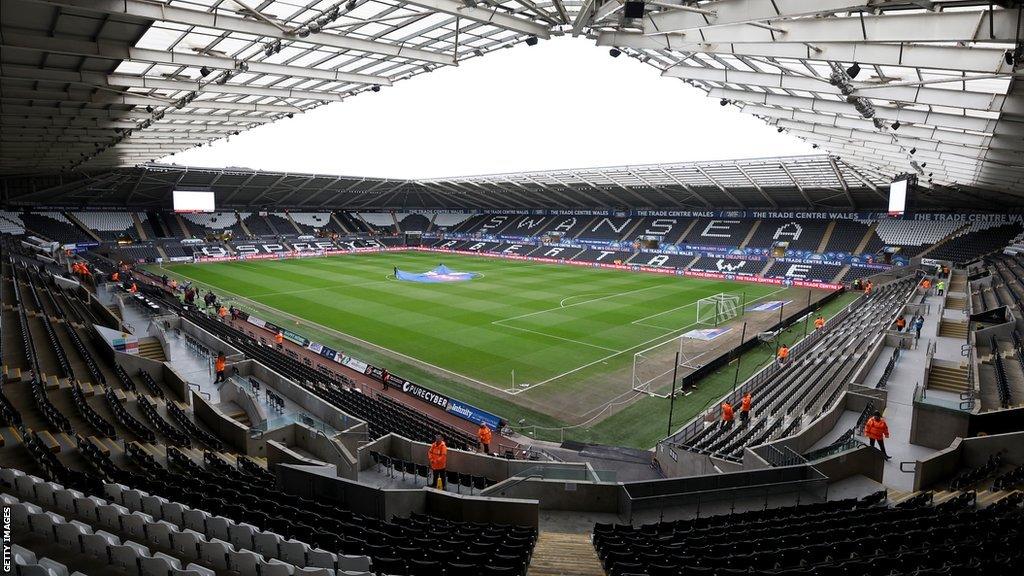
point(172, 512)
point(20, 513)
point(88, 508)
point(134, 525)
point(25, 486)
point(158, 564)
point(110, 515)
point(69, 534)
point(192, 570)
point(265, 543)
point(315, 571)
point(22, 556)
point(126, 556)
point(194, 519)
point(186, 543)
point(241, 535)
point(218, 527)
point(293, 552)
point(321, 558)
point(64, 500)
point(159, 533)
point(8, 500)
point(9, 475)
point(96, 544)
point(153, 505)
point(354, 573)
point(275, 567)
point(132, 499)
point(114, 492)
point(215, 553)
point(353, 563)
point(44, 523)
point(243, 561)
point(45, 492)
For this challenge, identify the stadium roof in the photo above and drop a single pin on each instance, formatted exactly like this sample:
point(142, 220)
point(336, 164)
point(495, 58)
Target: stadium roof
point(821, 183)
point(96, 84)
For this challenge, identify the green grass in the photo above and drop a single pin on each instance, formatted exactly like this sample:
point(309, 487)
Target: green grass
point(569, 331)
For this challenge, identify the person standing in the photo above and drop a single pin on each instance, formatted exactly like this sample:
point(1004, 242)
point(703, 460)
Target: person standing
point(867, 287)
point(727, 415)
point(279, 339)
point(918, 324)
point(782, 356)
point(745, 408)
point(484, 434)
point(941, 287)
point(877, 431)
point(218, 366)
point(819, 322)
point(437, 454)
point(901, 323)
point(385, 377)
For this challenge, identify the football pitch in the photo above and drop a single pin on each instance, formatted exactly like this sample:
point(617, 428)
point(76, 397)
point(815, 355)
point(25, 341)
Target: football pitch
point(558, 339)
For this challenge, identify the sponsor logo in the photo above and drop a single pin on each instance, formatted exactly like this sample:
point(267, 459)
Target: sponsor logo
point(428, 396)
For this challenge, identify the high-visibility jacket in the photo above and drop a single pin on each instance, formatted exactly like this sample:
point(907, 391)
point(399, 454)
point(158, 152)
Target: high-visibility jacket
point(941, 285)
point(279, 338)
point(134, 288)
point(438, 455)
point(783, 353)
point(868, 287)
point(819, 323)
point(876, 428)
point(745, 403)
point(726, 412)
point(221, 362)
point(222, 312)
point(115, 277)
point(901, 322)
point(484, 433)
point(926, 283)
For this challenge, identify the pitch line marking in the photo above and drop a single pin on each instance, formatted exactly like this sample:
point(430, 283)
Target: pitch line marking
point(561, 303)
point(528, 314)
point(589, 364)
point(580, 342)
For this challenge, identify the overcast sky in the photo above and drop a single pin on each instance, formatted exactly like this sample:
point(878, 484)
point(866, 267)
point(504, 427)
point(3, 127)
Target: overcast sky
point(564, 103)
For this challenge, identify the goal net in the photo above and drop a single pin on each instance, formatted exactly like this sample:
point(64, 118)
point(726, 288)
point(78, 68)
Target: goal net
point(718, 309)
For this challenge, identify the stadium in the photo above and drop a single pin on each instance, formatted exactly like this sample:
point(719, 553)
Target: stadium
point(784, 364)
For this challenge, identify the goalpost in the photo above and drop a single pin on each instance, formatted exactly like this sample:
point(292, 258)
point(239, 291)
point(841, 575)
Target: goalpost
point(718, 309)
point(653, 366)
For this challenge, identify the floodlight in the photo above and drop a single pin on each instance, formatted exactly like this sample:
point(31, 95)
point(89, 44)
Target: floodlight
point(204, 71)
point(896, 125)
point(375, 88)
point(614, 52)
point(853, 70)
point(913, 150)
point(531, 41)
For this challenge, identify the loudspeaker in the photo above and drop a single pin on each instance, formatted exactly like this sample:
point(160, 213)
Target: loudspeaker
point(634, 10)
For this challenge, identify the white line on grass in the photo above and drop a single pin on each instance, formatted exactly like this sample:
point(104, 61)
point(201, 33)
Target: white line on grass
point(528, 314)
point(589, 364)
point(580, 342)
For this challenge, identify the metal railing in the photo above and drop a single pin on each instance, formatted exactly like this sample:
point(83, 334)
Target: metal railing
point(889, 366)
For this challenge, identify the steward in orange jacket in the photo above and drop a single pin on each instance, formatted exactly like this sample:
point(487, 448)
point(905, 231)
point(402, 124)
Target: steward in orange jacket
point(745, 407)
point(877, 430)
point(819, 323)
point(437, 454)
point(484, 434)
point(219, 365)
point(727, 414)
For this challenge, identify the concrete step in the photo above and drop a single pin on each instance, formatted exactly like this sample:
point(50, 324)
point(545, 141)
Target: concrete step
point(560, 554)
point(953, 329)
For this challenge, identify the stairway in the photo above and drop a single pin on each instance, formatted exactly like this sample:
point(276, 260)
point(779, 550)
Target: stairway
point(294, 225)
point(958, 283)
point(826, 236)
point(953, 329)
point(152, 349)
point(245, 229)
point(750, 234)
point(955, 302)
point(842, 272)
point(185, 233)
point(947, 379)
point(82, 225)
point(867, 238)
point(341, 226)
point(240, 416)
point(558, 554)
point(138, 227)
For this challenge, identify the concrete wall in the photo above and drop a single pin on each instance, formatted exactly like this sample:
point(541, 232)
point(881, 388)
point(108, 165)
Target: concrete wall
point(562, 494)
point(316, 483)
point(965, 453)
point(458, 460)
point(176, 382)
point(863, 461)
point(678, 462)
point(936, 426)
point(233, 433)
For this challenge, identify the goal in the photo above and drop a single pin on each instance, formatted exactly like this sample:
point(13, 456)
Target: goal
point(718, 309)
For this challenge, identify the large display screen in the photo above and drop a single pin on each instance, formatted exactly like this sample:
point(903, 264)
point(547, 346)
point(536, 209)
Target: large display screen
point(898, 197)
point(192, 201)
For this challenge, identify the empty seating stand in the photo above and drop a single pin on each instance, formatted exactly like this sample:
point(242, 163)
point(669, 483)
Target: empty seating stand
point(844, 537)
